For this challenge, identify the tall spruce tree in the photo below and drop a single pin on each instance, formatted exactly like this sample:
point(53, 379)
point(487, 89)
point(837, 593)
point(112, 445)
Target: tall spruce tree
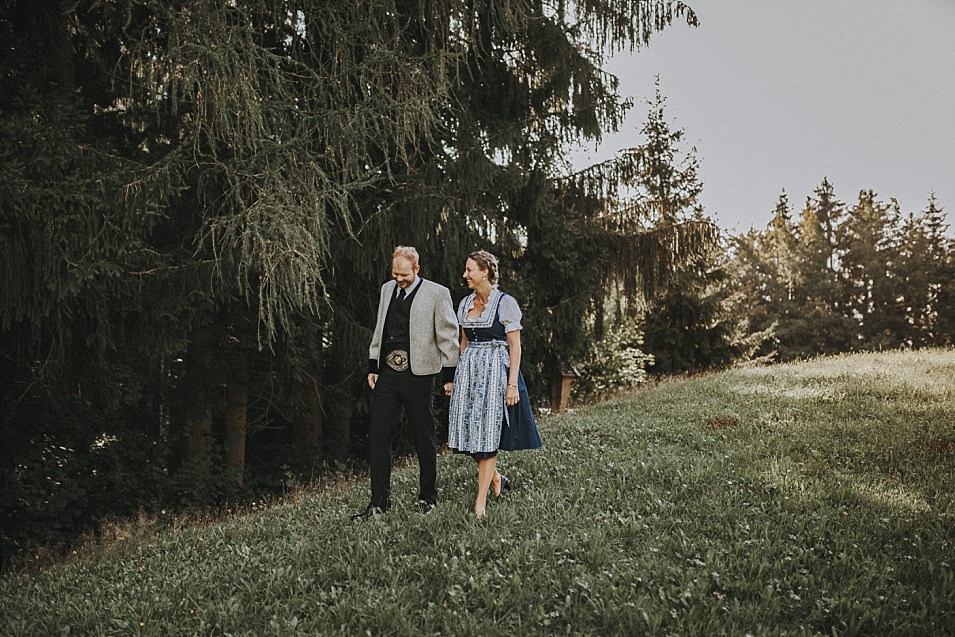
point(764, 270)
point(868, 254)
point(752, 281)
point(820, 324)
point(686, 326)
point(923, 276)
point(628, 226)
point(782, 248)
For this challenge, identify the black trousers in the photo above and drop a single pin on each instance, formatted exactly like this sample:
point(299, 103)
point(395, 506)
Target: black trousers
point(393, 391)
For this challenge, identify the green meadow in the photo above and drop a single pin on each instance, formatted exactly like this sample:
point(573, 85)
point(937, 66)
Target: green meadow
point(804, 499)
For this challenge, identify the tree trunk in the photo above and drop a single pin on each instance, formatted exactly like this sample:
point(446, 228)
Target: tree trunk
point(306, 430)
point(340, 410)
point(340, 431)
point(195, 431)
point(236, 422)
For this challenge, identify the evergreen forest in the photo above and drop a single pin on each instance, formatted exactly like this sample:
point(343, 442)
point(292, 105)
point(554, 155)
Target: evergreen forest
point(199, 201)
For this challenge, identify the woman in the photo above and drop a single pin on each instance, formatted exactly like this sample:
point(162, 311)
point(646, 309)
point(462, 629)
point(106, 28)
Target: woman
point(489, 409)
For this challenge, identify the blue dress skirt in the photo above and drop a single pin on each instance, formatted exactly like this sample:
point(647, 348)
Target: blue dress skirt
point(479, 422)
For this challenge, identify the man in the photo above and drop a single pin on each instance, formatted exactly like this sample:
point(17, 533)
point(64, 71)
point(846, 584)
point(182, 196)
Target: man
point(416, 336)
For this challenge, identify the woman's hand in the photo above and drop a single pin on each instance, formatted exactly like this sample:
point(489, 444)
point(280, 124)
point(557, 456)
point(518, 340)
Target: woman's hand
point(511, 396)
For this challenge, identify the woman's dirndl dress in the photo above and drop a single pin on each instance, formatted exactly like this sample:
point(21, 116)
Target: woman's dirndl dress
point(479, 422)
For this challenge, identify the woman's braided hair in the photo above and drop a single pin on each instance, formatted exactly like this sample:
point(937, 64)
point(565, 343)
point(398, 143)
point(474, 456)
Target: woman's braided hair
point(486, 261)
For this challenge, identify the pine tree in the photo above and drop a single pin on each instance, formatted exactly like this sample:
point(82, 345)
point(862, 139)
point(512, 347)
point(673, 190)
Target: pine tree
point(867, 256)
point(764, 270)
point(686, 326)
point(782, 247)
point(820, 324)
point(923, 276)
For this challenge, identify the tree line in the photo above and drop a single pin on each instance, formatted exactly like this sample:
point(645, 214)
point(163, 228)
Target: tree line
point(840, 277)
point(832, 278)
point(199, 201)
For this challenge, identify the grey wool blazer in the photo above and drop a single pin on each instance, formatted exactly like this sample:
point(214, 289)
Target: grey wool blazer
point(434, 328)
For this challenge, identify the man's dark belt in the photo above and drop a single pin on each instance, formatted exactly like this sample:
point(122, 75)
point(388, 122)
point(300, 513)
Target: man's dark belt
point(397, 359)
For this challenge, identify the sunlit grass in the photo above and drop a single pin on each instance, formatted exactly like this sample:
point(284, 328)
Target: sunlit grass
point(806, 499)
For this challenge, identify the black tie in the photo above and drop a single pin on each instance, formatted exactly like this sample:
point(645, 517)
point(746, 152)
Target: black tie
point(401, 294)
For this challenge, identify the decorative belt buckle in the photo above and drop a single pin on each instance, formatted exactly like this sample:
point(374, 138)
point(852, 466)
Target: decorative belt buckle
point(397, 359)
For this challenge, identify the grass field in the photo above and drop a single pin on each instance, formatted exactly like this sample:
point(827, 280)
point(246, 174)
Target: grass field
point(806, 499)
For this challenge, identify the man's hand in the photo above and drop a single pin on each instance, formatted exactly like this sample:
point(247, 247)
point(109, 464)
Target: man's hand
point(372, 380)
point(447, 388)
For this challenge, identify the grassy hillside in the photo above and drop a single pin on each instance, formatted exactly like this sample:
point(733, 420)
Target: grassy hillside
point(813, 498)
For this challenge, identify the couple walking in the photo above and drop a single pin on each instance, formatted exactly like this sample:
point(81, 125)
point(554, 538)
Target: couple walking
point(478, 355)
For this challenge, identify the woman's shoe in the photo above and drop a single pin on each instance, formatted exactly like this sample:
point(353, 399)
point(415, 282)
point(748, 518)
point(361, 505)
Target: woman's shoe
point(505, 486)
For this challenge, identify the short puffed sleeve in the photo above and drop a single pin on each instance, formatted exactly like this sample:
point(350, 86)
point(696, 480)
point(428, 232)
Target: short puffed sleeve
point(509, 313)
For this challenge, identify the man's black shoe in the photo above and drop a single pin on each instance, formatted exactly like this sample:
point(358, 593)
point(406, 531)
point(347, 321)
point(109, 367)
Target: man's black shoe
point(425, 507)
point(369, 512)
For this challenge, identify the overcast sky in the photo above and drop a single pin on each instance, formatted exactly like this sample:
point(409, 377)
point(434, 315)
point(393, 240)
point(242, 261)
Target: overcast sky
point(778, 94)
